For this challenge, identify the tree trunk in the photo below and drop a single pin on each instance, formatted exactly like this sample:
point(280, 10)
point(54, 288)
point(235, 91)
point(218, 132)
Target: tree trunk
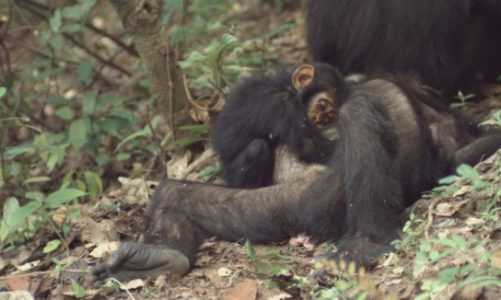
point(142, 19)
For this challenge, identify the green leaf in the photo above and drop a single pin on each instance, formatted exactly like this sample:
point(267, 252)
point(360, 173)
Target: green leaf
point(84, 72)
point(4, 231)
point(56, 157)
point(115, 100)
point(12, 152)
point(145, 132)
point(448, 275)
point(249, 250)
point(195, 57)
point(78, 290)
point(62, 196)
point(64, 113)
point(448, 180)
point(3, 91)
point(459, 241)
point(51, 246)
point(195, 128)
point(467, 172)
point(123, 156)
point(271, 269)
point(9, 207)
point(135, 135)
point(124, 114)
point(189, 140)
point(72, 28)
point(78, 133)
point(94, 184)
point(23, 212)
point(56, 41)
point(87, 5)
point(89, 103)
point(102, 159)
point(37, 179)
point(36, 196)
point(210, 171)
point(56, 21)
point(15, 168)
point(72, 12)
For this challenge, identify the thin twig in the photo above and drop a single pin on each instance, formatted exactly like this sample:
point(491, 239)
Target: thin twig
point(9, 18)
point(97, 56)
point(429, 223)
point(157, 143)
point(29, 6)
point(129, 49)
point(170, 93)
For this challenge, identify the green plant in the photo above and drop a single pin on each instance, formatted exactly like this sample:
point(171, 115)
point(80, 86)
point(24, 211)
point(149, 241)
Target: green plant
point(465, 272)
point(463, 99)
point(495, 120)
point(22, 221)
point(197, 133)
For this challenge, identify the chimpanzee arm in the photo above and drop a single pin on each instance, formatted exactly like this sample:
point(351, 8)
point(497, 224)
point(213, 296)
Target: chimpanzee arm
point(365, 154)
point(252, 168)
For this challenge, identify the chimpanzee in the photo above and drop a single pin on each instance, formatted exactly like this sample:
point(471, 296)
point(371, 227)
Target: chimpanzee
point(264, 112)
point(389, 148)
point(447, 44)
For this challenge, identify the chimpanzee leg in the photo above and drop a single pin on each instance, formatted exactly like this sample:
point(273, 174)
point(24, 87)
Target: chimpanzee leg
point(182, 214)
point(365, 154)
point(252, 168)
point(477, 150)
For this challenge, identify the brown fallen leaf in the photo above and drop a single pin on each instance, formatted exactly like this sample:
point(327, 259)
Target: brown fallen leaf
point(224, 272)
point(105, 249)
point(133, 284)
point(447, 209)
point(496, 258)
point(17, 295)
point(463, 190)
point(243, 291)
point(97, 233)
point(24, 283)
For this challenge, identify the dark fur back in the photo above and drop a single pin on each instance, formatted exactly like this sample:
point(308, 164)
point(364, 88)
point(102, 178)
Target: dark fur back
point(424, 37)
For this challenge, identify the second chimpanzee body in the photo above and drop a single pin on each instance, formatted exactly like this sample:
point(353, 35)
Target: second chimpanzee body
point(446, 44)
point(389, 148)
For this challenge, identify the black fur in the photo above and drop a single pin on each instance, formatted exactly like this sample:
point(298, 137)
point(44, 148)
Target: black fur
point(264, 111)
point(389, 149)
point(444, 43)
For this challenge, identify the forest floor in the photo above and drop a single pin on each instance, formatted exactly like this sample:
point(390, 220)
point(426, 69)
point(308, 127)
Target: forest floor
point(450, 248)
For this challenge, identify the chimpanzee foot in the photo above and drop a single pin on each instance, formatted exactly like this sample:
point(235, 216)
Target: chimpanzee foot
point(361, 251)
point(134, 260)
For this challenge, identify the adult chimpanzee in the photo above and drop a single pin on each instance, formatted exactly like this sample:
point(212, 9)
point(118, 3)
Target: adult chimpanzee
point(444, 43)
point(389, 148)
point(266, 111)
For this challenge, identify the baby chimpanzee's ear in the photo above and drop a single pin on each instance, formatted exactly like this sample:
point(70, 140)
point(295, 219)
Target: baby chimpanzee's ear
point(302, 76)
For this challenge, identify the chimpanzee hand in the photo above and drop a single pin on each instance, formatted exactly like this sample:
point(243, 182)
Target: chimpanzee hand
point(134, 260)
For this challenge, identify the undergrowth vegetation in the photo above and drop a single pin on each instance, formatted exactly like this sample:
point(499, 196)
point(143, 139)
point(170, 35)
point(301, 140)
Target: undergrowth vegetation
point(76, 110)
